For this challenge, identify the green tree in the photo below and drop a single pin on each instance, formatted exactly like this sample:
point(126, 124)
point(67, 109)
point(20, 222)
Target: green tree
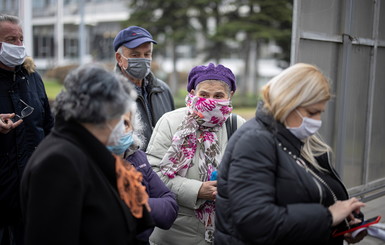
point(217, 29)
point(256, 22)
point(168, 20)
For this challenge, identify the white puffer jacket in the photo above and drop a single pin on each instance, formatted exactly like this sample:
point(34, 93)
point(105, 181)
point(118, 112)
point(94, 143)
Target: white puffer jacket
point(187, 229)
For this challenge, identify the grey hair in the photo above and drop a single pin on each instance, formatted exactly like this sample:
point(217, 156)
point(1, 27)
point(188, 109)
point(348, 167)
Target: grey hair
point(117, 67)
point(94, 95)
point(120, 50)
point(10, 18)
point(138, 128)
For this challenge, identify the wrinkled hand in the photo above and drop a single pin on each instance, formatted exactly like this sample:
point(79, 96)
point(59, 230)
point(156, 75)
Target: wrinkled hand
point(348, 236)
point(6, 124)
point(343, 209)
point(208, 190)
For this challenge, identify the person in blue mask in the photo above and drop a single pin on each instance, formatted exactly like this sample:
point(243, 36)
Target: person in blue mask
point(276, 182)
point(164, 208)
point(133, 52)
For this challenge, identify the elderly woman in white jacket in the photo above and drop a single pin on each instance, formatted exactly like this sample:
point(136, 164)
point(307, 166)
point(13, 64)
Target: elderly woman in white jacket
point(186, 148)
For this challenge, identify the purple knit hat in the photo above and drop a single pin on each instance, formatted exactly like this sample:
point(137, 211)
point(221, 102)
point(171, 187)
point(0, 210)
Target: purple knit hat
point(211, 72)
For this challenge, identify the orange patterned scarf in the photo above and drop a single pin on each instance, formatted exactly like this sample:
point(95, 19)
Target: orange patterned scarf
point(131, 190)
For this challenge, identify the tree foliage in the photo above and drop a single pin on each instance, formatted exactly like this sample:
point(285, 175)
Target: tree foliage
point(260, 20)
point(227, 28)
point(167, 19)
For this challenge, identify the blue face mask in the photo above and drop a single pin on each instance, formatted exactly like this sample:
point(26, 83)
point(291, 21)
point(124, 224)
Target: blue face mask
point(122, 145)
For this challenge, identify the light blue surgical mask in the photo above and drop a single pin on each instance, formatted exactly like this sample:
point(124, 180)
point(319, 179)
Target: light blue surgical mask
point(307, 128)
point(116, 132)
point(123, 143)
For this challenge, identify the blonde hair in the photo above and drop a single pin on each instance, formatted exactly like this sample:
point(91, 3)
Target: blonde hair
point(300, 85)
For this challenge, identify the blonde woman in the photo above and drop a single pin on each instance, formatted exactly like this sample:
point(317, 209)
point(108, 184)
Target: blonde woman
point(276, 184)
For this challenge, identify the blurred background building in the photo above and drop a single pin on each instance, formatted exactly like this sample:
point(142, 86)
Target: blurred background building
point(71, 32)
point(56, 32)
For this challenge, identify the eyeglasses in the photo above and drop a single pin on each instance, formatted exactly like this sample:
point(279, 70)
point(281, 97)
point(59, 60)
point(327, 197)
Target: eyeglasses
point(27, 110)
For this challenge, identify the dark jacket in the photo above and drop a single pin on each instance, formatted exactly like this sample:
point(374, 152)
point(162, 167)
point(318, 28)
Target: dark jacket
point(69, 193)
point(152, 106)
point(164, 208)
point(18, 145)
point(264, 196)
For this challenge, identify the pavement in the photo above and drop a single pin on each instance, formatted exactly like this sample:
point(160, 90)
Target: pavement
point(373, 208)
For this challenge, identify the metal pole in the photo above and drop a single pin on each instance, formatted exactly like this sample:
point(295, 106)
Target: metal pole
point(372, 83)
point(59, 34)
point(25, 14)
point(82, 34)
point(342, 96)
point(295, 33)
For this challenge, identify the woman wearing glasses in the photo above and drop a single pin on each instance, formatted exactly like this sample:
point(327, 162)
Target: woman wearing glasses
point(73, 190)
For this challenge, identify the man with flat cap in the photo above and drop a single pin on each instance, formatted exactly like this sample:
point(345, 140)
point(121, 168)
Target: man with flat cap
point(133, 52)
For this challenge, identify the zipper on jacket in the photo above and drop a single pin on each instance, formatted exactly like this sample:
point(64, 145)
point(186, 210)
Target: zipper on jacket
point(336, 176)
point(152, 109)
point(141, 98)
point(319, 189)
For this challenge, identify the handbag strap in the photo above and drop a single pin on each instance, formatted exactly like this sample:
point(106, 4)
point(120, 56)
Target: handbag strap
point(231, 125)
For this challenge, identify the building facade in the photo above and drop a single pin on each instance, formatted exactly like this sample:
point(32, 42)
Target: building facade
point(61, 31)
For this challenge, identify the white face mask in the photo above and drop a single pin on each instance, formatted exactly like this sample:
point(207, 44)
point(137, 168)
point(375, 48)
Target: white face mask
point(12, 55)
point(307, 128)
point(116, 133)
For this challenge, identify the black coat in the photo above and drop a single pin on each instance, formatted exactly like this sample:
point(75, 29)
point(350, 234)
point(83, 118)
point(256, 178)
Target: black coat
point(69, 193)
point(159, 100)
point(264, 196)
point(17, 146)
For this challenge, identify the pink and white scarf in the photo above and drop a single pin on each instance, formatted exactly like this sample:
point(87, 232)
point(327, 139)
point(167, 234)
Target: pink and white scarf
point(206, 116)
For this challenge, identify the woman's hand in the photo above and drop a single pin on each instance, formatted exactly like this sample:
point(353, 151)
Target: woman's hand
point(208, 190)
point(343, 209)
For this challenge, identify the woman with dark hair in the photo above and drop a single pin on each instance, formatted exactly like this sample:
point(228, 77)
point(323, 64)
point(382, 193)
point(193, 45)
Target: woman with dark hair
point(74, 191)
